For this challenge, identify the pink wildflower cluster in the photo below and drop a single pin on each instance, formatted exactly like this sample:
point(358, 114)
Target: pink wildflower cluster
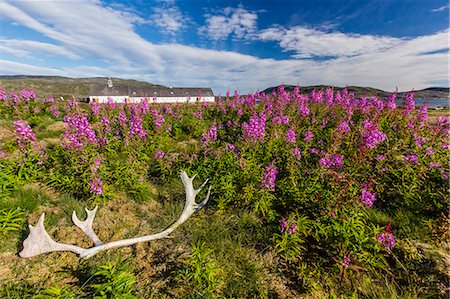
point(78, 132)
point(387, 238)
point(54, 110)
point(367, 197)
point(256, 128)
point(408, 103)
point(159, 154)
point(290, 135)
point(230, 147)
point(343, 127)
point(371, 135)
point(210, 135)
point(95, 107)
point(284, 225)
point(296, 153)
point(332, 161)
point(25, 135)
point(411, 159)
point(159, 118)
point(96, 185)
point(308, 136)
point(347, 260)
point(136, 128)
point(390, 103)
point(27, 94)
point(269, 177)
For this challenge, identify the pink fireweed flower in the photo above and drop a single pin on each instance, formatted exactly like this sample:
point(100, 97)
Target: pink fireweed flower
point(390, 103)
point(290, 135)
point(381, 157)
point(343, 127)
point(159, 155)
point(78, 132)
point(2, 95)
point(284, 224)
point(210, 135)
point(422, 113)
point(371, 135)
point(96, 165)
point(28, 94)
point(72, 104)
point(367, 197)
point(136, 128)
point(54, 110)
point(25, 135)
point(333, 161)
point(435, 164)
point(308, 136)
point(292, 229)
point(346, 262)
point(144, 106)
point(2, 154)
point(106, 123)
point(255, 129)
point(430, 151)
point(296, 153)
point(411, 159)
point(122, 117)
point(269, 177)
point(443, 119)
point(198, 114)
point(276, 120)
point(95, 107)
point(230, 147)
point(386, 238)
point(159, 118)
point(445, 145)
point(96, 185)
point(408, 103)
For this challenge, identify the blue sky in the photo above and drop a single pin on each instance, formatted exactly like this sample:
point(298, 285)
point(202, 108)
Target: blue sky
point(228, 45)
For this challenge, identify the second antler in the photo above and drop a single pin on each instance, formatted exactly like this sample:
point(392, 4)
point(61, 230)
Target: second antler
point(39, 241)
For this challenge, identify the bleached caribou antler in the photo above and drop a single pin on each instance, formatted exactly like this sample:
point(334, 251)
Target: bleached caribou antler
point(39, 241)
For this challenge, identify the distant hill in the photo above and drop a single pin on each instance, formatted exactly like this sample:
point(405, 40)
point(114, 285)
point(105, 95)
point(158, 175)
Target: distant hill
point(427, 93)
point(56, 86)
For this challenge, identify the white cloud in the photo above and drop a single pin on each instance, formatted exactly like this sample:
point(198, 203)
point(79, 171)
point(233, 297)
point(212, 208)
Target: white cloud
point(237, 22)
point(442, 8)
point(29, 48)
point(308, 42)
point(107, 35)
point(170, 20)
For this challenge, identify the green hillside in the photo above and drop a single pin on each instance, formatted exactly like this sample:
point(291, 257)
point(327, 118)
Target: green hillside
point(55, 86)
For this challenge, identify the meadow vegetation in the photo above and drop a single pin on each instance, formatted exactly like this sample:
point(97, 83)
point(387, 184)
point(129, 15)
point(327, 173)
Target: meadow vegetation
point(319, 195)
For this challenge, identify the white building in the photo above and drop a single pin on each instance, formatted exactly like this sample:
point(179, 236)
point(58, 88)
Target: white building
point(157, 94)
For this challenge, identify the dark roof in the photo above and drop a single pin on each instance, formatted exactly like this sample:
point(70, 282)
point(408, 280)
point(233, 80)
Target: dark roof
point(138, 91)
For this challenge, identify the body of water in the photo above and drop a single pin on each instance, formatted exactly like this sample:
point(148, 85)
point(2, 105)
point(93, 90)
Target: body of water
point(433, 102)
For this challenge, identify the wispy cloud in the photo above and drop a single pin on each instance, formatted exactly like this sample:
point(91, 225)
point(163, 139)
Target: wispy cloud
point(106, 34)
point(236, 22)
point(169, 19)
point(442, 8)
point(29, 48)
point(308, 43)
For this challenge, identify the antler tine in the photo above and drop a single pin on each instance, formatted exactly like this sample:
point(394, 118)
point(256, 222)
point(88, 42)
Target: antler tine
point(39, 241)
point(201, 186)
point(86, 225)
